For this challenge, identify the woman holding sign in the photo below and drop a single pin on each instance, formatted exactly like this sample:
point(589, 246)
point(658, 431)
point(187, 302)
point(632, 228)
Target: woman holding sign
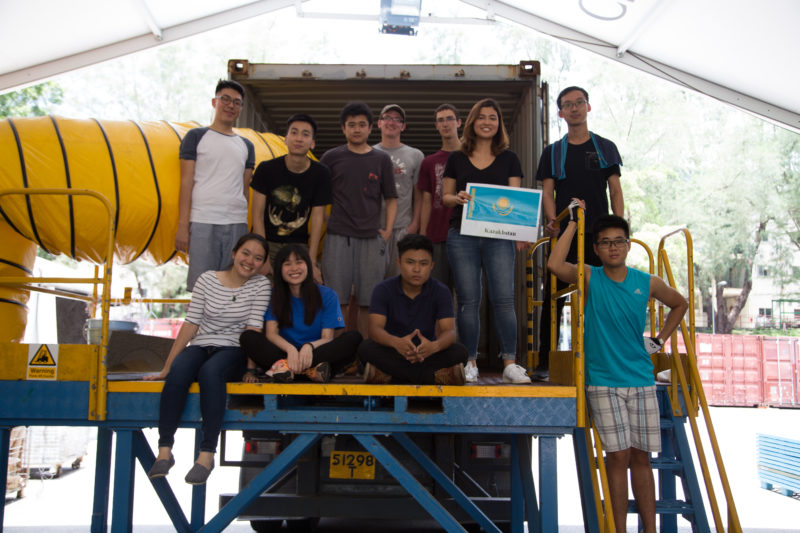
point(484, 157)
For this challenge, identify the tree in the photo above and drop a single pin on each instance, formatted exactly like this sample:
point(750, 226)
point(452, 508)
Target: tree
point(34, 101)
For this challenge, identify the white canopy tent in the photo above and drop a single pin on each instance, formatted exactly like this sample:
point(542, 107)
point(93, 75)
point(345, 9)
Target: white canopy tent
point(737, 51)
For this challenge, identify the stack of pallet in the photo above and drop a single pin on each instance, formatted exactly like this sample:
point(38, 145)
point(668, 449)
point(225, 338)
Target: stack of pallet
point(17, 472)
point(779, 464)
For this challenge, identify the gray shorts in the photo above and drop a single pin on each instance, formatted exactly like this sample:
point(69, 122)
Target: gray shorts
point(626, 417)
point(353, 264)
point(211, 248)
point(391, 251)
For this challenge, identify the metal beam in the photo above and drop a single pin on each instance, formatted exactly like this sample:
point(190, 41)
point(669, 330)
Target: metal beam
point(148, 17)
point(783, 117)
point(35, 73)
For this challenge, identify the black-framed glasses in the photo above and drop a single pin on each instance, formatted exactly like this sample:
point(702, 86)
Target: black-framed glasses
point(616, 243)
point(570, 105)
point(387, 118)
point(227, 100)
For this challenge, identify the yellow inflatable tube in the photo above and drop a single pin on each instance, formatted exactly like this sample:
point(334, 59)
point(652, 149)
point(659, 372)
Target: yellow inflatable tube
point(134, 164)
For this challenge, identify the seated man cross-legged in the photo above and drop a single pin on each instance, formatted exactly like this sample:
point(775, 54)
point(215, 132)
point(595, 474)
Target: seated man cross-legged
point(412, 334)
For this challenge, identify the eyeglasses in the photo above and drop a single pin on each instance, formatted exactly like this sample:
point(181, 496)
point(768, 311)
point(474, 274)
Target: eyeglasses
point(442, 120)
point(227, 100)
point(387, 118)
point(616, 243)
point(570, 105)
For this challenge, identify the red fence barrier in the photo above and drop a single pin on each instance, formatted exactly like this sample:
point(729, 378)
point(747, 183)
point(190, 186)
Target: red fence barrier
point(746, 370)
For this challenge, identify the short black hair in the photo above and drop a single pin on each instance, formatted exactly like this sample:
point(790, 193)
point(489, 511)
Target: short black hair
point(445, 107)
point(413, 241)
point(569, 90)
point(252, 237)
point(229, 84)
point(605, 222)
point(302, 117)
point(354, 109)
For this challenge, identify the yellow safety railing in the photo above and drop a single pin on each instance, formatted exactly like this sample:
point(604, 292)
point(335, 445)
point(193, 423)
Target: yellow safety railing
point(691, 388)
point(576, 306)
point(98, 385)
point(531, 298)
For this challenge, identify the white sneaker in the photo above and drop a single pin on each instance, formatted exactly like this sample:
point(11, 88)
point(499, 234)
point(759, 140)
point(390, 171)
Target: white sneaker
point(471, 371)
point(515, 374)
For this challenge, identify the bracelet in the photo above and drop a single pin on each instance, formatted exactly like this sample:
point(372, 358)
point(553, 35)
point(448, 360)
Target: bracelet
point(309, 344)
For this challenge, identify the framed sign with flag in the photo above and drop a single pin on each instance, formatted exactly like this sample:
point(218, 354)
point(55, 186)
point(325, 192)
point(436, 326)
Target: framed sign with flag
point(499, 212)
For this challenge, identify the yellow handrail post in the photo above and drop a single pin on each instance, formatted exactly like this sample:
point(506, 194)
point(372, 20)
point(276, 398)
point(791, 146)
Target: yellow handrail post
point(693, 393)
point(529, 276)
point(98, 385)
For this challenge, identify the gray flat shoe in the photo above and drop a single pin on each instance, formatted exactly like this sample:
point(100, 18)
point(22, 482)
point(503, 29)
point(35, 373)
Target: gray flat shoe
point(198, 474)
point(161, 467)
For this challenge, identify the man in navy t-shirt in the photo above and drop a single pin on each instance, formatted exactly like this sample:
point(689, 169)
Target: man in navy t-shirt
point(412, 334)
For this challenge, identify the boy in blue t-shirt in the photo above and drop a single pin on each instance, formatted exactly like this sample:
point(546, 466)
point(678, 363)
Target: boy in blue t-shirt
point(619, 373)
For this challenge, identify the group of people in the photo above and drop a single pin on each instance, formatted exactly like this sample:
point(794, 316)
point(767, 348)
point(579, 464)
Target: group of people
point(392, 250)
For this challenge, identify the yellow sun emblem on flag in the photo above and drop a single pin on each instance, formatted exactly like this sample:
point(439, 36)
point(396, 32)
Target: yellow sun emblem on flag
point(503, 206)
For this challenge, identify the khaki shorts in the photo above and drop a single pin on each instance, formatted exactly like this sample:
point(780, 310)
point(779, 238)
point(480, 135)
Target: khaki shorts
point(626, 417)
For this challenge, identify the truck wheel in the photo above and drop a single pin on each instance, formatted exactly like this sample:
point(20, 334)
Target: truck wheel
point(266, 526)
point(76, 464)
point(303, 525)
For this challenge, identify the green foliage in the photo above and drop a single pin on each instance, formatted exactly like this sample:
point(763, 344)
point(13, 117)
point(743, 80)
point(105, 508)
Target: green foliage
point(789, 332)
point(165, 281)
point(34, 101)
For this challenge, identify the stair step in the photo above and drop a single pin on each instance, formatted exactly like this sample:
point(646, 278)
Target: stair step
point(665, 463)
point(675, 507)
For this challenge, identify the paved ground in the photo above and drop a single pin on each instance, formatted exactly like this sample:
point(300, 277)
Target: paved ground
point(64, 505)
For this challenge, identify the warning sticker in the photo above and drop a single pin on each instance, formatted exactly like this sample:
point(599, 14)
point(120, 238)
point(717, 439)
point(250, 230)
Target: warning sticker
point(43, 361)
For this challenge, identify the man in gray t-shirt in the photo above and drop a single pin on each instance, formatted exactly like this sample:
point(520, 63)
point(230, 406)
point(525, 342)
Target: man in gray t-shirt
point(354, 253)
point(406, 162)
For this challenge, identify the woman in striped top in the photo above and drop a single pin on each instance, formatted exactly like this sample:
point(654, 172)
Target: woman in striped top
point(223, 305)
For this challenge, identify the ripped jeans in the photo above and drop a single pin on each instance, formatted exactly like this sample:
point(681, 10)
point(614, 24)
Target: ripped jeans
point(467, 255)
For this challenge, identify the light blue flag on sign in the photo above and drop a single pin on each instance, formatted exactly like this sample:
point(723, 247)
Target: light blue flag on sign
point(506, 206)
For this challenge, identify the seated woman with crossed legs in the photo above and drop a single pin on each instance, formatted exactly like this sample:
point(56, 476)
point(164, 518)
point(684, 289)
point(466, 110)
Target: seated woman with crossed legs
point(300, 323)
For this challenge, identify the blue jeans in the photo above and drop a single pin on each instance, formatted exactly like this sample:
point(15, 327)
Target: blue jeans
point(212, 367)
point(467, 255)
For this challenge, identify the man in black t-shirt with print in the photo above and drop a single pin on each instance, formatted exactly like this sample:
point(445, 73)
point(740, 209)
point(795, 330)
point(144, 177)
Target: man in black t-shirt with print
point(290, 193)
point(580, 165)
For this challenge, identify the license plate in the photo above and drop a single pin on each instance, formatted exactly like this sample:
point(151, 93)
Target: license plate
point(352, 465)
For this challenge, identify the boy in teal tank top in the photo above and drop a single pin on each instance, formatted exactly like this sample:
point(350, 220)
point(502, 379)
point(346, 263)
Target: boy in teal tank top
point(619, 374)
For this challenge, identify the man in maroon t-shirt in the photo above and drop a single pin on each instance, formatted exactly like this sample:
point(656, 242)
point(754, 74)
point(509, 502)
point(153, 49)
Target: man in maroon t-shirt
point(435, 216)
